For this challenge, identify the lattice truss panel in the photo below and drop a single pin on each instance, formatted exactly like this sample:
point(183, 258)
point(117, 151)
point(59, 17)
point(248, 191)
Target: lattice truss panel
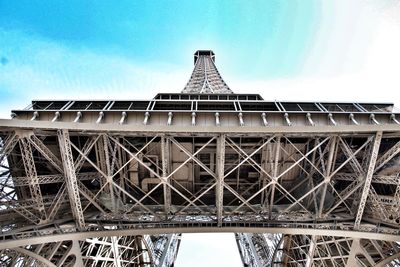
point(260, 249)
point(99, 192)
point(313, 250)
point(205, 77)
point(101, 251)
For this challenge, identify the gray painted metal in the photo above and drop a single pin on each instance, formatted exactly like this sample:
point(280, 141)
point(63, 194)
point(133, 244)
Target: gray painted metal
point(89, 181)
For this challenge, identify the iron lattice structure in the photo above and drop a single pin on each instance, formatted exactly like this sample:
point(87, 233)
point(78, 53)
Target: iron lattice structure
point(115, 183)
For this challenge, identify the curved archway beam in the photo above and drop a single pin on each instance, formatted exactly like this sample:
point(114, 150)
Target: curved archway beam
point(159, 231)
point(35, 256)
point(388, 260)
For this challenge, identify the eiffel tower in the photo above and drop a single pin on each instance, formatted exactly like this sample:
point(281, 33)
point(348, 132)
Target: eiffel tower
point(116, 182)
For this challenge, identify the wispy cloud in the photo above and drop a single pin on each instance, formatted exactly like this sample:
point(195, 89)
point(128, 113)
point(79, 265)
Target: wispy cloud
point(355, 57)
point(36, 68)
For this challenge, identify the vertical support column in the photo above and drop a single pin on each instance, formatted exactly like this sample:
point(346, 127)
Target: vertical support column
point(368, 179)
point(311, 250)
point(220, 169)
point(30, 169)
point(165, 158)
point(7, 145)
point(354, 250)
point(70, 177)
point(167, 250)
point(115, 250)
point(101, 161)
point(327, 174)
point(275, 174)
point(253, 249)
point(108, 166)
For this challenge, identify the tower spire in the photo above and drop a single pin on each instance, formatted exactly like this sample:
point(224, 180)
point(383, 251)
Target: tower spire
point(205, 77)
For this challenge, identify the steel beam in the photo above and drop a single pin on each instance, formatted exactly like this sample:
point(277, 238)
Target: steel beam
point(30, 170)
point(220, 170)
point(387, 156)
point(166, 165)
point(368, 179)
point(70, 177)
point(275, 174)
point(8, 145)
point(46, 152)
point(327, 177)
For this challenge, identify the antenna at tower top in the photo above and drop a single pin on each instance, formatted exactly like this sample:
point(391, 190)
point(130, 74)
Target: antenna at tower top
point(205, 77)
point(208, 53)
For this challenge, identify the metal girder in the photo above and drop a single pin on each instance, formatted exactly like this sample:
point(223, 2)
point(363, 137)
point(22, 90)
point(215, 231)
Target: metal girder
point(35, 256)
point(275, 175)
point(90, 196)
point(85, 151)
point(70, 232)
point(8, 145)
point(53, 178)
point(220, 169)
point(108, 170)
point(30, 170)
point(102, 174)
point(300, 155)
point(70, 176)
point(232, 179)
point(350, 155)
point(385, 158)
point(378, 179)
point(114, 247)
point(46, 152)
point(327, 177)
point(153, 173)
point(21, 210)
point(166, 165)
point(56, 204)
point(311, 251)
point(368, 178)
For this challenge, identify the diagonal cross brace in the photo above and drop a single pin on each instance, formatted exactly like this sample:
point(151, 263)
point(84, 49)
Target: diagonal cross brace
point(368, 179)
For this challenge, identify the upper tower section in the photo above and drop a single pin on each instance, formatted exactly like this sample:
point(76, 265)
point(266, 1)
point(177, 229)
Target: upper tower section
point(205, 77)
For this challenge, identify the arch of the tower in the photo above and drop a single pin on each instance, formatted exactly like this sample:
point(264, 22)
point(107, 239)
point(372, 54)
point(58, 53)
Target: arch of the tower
point(309, 187)
point(114, 183)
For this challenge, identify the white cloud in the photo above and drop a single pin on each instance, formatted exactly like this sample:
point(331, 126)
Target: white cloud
point(42, 69)
point(355, 57)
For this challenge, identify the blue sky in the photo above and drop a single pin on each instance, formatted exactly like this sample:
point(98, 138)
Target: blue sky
point(284, 50)
point(164, 31)
point(306, 50)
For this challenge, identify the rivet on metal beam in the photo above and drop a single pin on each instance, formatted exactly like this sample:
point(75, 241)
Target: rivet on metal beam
point(123, 117)
point(217, 122)
point(330, 117)
point(170, 115)
point(308, 116)
point(264, 119)
point(146, 118)
point(372, 118)
point(13, 115)
point(393, 118)
point(78, 116)
point(56, 116)
point(35, 116)
point(101, 116)
point(193, 118)
point(351, 117)
point(288, 122)
point(241, 122)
